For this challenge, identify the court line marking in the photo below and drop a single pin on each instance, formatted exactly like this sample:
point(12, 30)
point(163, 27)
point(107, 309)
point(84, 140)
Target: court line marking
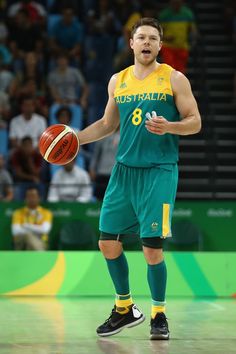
point(216, 306)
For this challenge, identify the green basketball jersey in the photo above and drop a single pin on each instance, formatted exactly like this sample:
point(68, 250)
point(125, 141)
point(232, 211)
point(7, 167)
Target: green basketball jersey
point(138, 147)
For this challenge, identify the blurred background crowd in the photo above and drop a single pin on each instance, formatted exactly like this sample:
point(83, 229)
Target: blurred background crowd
point(56, 58)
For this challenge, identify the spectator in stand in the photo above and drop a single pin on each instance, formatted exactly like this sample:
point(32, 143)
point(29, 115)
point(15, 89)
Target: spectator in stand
point(7, 79)
point(3, 6)
point(102, 18)
point(64, 115)
point(32, 87)
point(4, 110)
point(17, 57)
point(33, 68)
point(26, 164)
point(100, 38)
point(179, 33)
point(102, 162)
point(31, 224)
point(24, 33)
point(8, 84)
point(55, 6)
point(123, 9)
point(67, 34)
point(6, 183)
point(70, 183)
point(5, 53)
point(30, 81)
point(67, 84)
point(3, 28)
point(36, 11)
point(28, 123)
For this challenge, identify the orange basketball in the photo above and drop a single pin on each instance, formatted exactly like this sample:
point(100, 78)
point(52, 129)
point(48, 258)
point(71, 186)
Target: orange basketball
point(59, 144)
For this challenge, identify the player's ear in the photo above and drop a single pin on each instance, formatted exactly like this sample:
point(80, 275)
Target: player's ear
point(131, 43)
point(160, 45)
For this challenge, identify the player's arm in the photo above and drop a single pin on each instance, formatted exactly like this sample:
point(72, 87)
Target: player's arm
point(107, 124)
point(186, 104)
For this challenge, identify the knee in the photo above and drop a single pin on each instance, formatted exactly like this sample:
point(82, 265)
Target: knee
point(110, 249)
point(153, 255)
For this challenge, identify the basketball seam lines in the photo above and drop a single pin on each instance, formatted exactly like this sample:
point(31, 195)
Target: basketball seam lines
point(54, 142)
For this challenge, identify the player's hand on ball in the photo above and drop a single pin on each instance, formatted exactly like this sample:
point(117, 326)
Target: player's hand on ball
point(156, 124)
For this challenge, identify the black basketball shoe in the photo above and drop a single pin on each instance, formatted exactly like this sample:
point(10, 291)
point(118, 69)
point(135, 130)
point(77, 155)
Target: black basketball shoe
point(116, 322)
point(159, 327)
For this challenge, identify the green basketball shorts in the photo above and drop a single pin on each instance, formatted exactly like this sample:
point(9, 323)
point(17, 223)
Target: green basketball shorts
point(140, 201)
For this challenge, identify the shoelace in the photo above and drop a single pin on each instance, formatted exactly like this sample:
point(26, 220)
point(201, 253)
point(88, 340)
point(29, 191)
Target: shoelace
point(112, 313)
point(160, 320)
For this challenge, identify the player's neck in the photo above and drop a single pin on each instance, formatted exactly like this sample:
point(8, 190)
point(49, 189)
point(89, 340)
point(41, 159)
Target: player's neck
point(142, 71)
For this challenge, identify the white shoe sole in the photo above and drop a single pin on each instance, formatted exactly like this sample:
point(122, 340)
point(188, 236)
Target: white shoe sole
point(159, 336)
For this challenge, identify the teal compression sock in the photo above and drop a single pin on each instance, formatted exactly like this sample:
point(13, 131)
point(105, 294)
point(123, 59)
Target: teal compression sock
point(119, 272)
point(157, 276)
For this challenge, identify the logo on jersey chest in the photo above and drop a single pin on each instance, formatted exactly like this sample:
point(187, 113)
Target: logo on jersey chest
point(160, 81)
point(123, 85)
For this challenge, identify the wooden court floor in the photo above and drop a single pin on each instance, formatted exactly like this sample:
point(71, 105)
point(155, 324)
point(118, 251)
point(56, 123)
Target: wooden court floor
point(33, 325)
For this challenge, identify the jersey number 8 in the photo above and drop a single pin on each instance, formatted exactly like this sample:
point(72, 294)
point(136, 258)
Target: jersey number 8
point(136, 117)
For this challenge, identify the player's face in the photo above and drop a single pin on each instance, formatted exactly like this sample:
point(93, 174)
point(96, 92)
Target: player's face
point(146, 44)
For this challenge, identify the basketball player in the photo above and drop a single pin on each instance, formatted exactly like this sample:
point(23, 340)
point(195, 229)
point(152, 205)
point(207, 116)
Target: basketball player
point(153, 104)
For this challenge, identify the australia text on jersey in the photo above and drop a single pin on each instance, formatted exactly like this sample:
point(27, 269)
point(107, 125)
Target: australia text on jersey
point(141, 97)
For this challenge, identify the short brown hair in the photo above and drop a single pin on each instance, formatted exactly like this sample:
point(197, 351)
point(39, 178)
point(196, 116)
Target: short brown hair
point(147, 21)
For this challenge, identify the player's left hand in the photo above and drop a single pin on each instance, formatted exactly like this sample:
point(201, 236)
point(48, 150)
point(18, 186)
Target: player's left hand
point(156, 124)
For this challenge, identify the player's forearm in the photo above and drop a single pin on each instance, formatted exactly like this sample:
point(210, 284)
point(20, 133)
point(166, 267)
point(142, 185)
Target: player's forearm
point(187, 126)
point(96, 131)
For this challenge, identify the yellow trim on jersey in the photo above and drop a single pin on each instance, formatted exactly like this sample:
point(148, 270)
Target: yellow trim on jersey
point(156, 82)
point(165, 220)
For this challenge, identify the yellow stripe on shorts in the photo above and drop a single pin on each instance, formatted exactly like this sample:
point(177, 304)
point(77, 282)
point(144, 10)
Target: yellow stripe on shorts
point(165, 220)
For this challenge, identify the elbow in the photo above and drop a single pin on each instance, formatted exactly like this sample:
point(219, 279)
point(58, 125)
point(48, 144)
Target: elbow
point(199, 127)
point(197, 130)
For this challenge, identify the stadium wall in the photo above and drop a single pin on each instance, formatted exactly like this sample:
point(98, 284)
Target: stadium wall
point(215, 219)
